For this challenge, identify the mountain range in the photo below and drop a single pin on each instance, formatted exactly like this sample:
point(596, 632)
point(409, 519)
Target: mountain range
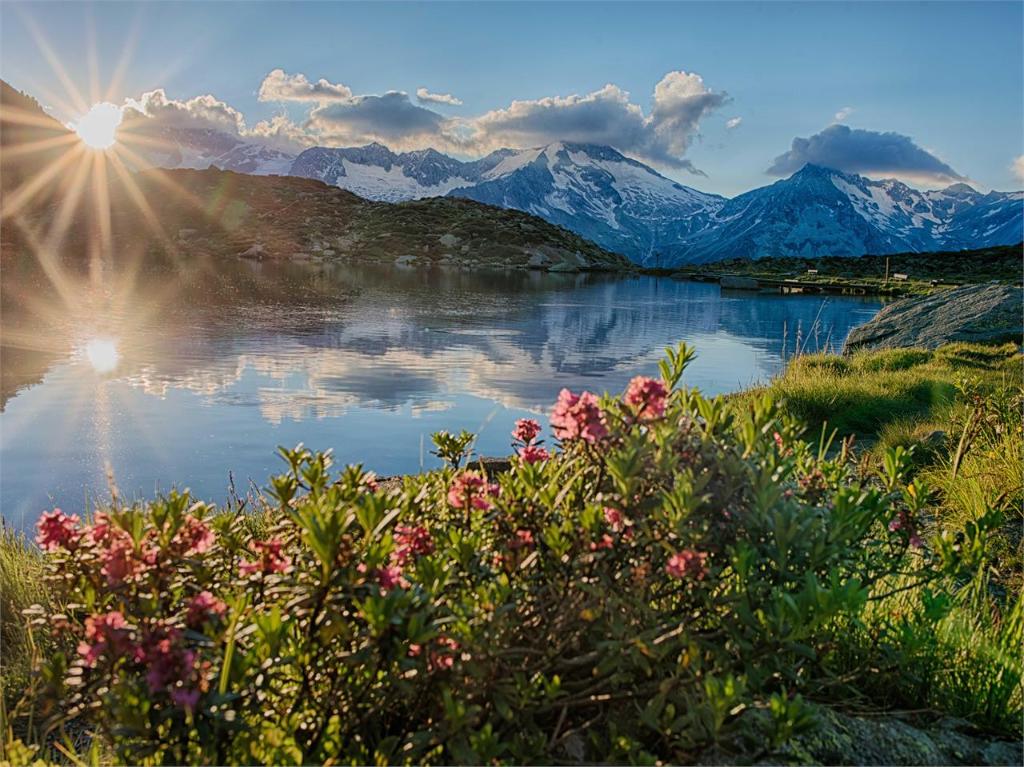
point(628, 207)
point(622, 205)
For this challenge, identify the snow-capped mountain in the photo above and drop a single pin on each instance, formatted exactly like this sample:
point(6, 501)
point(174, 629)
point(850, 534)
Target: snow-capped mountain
point(377, 173)
point(820, 211)
point(628, 207)
point(595, 191)
point(199, 148)
point(619, 203)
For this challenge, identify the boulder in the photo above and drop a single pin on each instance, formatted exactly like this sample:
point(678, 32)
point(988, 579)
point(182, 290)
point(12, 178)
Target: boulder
point(989, 313)
point(840, 738)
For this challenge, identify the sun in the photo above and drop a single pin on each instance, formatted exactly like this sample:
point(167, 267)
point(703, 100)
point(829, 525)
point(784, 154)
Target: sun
point(98, 127)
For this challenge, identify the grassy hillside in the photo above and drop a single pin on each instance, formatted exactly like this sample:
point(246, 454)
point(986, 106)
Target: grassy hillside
point(1001, 263)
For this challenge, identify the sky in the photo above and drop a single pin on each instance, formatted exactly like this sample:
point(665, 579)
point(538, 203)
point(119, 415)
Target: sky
point(723, 96)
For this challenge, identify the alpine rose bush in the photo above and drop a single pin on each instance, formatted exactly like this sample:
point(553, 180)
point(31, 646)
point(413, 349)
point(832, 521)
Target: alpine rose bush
point(621, 597)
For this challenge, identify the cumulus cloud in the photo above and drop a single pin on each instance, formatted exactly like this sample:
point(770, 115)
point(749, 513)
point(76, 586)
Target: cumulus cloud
point(337, 117)
point(281, 86)
point(391, 118)
point(199, 112)
point(1017, 166)
point(424, 96)
point(733, 122)
point(147, 120)
point(843, 113)
point(607, 116)
point(867, 152)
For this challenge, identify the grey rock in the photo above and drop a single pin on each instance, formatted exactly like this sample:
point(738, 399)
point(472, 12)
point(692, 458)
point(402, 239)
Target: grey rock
point(839, 738)
point(990, 313)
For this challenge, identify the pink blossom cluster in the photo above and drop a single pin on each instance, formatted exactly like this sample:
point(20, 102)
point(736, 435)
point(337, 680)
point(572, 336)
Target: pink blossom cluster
point(170, 666)
point(203, 607)
point(440, 656)
point(121, 558)
point(578, 416)
point(194, 536)
point(411, 542)
point(902, 521)
point(646, 396)
point(687, 564)
point(107, 635)
point(526, 432)
point(57, 530)
point(471, 490)
point(269, 561)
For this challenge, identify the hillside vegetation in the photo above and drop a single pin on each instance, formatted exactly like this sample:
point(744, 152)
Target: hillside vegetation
point(954, 267)
point(678, 579)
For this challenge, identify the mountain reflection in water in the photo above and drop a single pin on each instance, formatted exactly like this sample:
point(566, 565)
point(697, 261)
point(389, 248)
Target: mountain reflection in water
point(202, 376)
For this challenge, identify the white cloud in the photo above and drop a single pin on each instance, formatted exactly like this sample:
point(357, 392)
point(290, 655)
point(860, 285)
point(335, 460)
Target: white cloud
point(843, 113)
point(855, 150)
point(733, 122)
point(281, 86)
point(1017, 166)
point(337, 117)
point(425, 96)
point(606, 116)
point(201, 111)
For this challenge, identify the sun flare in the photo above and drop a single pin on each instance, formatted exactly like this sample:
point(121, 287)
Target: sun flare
point(98, 127)
point(102, 354)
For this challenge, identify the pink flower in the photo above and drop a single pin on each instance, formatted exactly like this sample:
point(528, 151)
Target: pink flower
point(647, 396)
point(369, 482)
point(202, 608)
point(443, 658)
point(615, 519)
point(194, 537)
point(896, 523)
point(523, 539)
point(915, 541)
point(106, 634)
point(606, 542)
point(470, 489)
point(57, 530)
point(168, 663)
point(534, 454)
point(119, 560)
point(411, 542)
point(526, 430)
point(578, 416)
point(390, 577)
point(100, 530)
point(271, 560)
point(688, 563)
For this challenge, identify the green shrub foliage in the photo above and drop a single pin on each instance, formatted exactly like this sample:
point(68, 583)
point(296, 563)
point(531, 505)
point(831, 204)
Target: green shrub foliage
point(673, 561)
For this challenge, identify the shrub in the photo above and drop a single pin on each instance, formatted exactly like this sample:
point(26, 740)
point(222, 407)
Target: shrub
point(622, 598)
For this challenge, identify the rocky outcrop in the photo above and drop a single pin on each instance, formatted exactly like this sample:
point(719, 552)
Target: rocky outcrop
point(990, 313)
point(839, 738)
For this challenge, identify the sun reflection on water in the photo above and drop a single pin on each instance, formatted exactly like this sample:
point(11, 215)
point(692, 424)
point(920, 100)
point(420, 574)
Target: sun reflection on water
point(102, 354)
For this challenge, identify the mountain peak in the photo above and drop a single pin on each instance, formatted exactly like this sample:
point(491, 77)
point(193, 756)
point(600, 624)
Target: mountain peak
point(960, 188)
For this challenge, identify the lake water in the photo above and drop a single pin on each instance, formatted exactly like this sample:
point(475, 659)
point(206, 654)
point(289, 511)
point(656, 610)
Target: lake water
point(187, 380)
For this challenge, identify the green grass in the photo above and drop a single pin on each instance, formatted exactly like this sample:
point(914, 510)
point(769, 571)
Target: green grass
point(21, 586)
point(867, 393)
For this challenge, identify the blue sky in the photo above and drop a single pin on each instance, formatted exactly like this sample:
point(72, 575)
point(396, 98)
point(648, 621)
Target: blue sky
point(946, 77)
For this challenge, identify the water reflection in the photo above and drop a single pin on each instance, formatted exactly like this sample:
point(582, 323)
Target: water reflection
point(207, 380)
